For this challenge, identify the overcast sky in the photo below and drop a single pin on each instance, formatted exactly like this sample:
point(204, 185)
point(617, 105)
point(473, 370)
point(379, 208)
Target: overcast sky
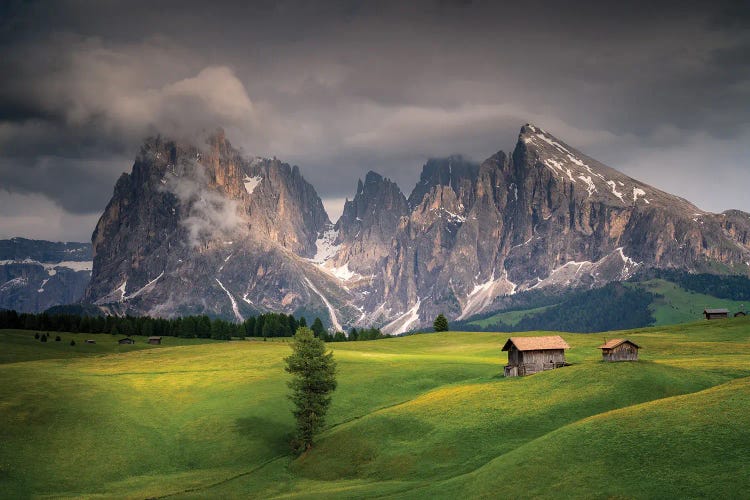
point(658, 90)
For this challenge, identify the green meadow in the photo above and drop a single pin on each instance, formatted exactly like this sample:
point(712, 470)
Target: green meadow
point(425, 416)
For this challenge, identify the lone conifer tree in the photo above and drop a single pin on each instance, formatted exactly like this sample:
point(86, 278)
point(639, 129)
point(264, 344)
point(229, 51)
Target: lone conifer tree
point(313, 379)
point(440, 324)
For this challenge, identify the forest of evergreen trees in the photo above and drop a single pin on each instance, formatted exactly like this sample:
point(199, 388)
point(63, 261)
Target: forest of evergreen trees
point(263, 325)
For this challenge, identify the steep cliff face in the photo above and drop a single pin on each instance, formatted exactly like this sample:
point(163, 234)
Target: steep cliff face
point(36, 275)
point(195, 230)
point(367, 225)
point(547, 216)
point(203, 230)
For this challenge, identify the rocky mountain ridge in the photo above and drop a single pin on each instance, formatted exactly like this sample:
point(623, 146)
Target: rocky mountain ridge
point(206, 230)
point(37, 274)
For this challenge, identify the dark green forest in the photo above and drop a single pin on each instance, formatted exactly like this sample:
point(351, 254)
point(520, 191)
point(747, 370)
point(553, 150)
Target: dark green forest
point(264, 325)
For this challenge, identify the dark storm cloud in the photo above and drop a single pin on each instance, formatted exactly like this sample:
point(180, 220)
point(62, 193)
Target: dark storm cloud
point(658, 89)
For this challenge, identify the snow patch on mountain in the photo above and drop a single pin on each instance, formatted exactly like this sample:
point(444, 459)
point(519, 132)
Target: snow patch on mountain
point(405, 321)
point(251, 183)
point(590, 186)
point(14, 283)
point(615, 191)
point(73, 265)
point(235, 309)
point(325, 246)
point(116, 295)
point(485, 293)
point(331, 311)
point(145, 288)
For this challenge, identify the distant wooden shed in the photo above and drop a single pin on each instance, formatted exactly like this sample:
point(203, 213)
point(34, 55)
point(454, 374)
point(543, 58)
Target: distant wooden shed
point(716, 313)
point(154, 340)
point(619, 350)
point(126, 341)
point(90, 341)
point(740, 314)
point(527, 355)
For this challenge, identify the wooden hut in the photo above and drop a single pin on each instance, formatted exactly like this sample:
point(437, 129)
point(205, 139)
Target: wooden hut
point(740, 314)
point(90, 341)
point(716, 313)
point(619, 350)
point(154, 340)
point(527, 355)
point(126, 341)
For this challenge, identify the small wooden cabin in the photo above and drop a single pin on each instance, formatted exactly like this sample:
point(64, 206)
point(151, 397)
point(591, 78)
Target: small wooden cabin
point(716, 313)
point(619, 350)
point(740, 314)
point(154, 340)
point(527, 355)
point(90, 341)
point(126, 341)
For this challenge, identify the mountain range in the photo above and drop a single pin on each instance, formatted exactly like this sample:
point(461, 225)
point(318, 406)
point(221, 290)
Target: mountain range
point(36, 275)
point(197, 229)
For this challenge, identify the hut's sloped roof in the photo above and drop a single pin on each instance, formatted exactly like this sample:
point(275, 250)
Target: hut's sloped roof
point(154, 338)
point(716, 311)
point(536, 343)
point(611, 344)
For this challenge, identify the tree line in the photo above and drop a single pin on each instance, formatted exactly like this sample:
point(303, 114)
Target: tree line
point(264, 325)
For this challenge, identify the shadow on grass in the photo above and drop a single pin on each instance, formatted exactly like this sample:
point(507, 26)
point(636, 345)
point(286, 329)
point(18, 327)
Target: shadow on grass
point(275, 435)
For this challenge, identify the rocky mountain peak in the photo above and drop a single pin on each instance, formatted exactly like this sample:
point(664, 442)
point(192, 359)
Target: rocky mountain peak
point(545, 216)
point(369, 221)
point(454, 171)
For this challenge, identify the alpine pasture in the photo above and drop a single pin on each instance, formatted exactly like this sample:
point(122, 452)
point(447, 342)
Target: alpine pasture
point(426, 416)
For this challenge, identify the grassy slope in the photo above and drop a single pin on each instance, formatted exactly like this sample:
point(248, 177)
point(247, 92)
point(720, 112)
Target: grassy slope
point(409, 413)
point(681, 447)
point(677, 305)
point(20, 345)
point(510, 318)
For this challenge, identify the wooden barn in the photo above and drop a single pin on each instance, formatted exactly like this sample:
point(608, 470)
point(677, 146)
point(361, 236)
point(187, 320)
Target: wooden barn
point(527, 355)
point(90, 341)
point(740, 314)
point(154, 340)
point(126, 341)
point(619, 350)
point(716, 313)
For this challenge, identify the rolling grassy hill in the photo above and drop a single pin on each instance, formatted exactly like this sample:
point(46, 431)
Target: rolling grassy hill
point(674, 304)
point(424, 416)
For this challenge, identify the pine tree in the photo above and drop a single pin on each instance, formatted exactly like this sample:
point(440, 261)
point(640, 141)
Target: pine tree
point(313, 379)
point(318, 328)
point(440, 324)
